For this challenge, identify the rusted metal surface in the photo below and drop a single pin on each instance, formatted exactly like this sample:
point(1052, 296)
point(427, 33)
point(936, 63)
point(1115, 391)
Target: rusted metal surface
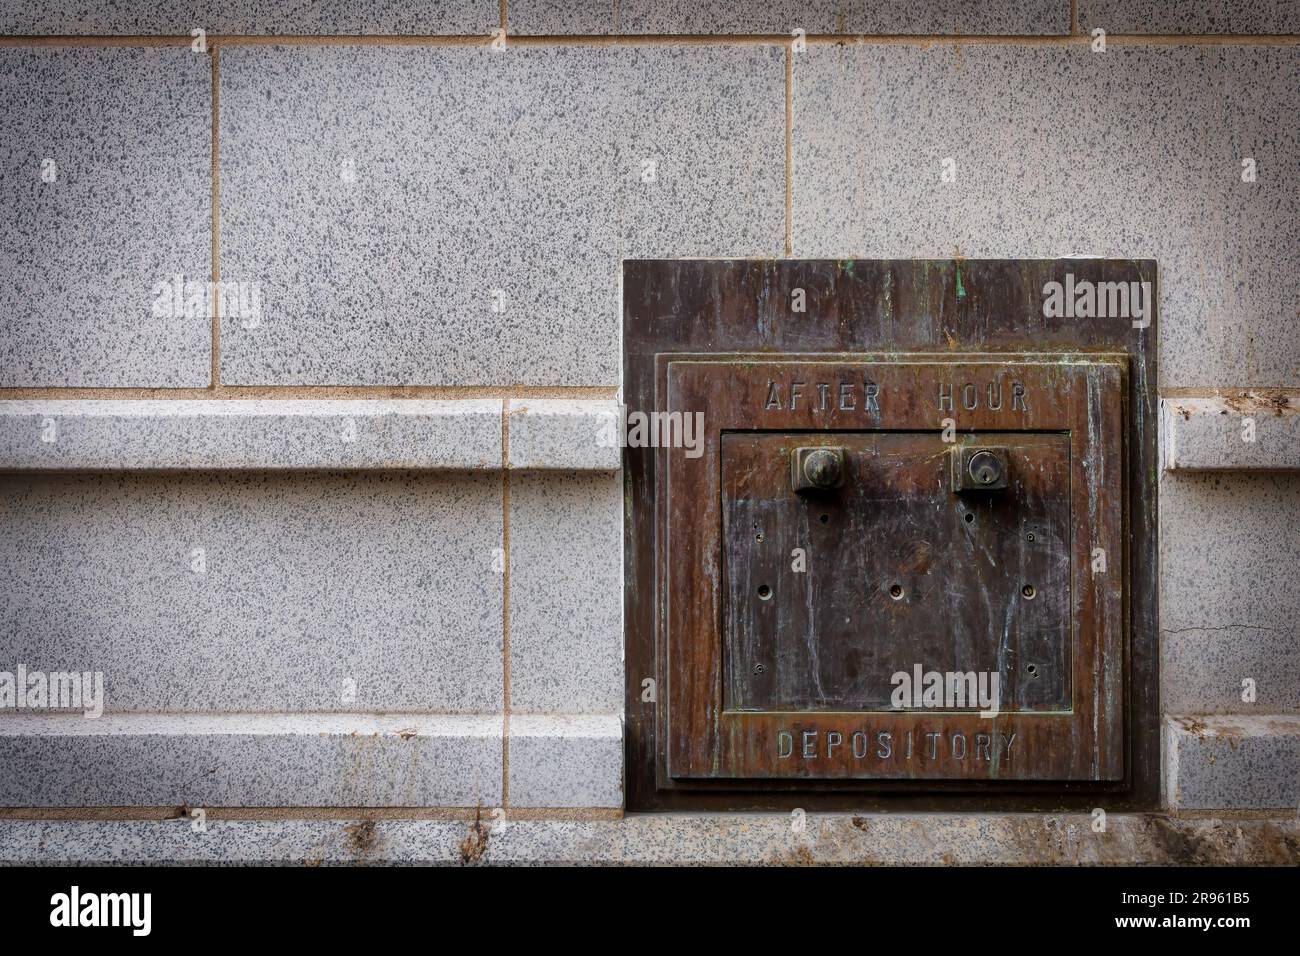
point(771, 685)
point(827, 596)
point(907, 510)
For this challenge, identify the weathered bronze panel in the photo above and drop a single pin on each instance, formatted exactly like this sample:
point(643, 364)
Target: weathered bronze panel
point(1077, 399)
point(829, 595)
point(929, 473)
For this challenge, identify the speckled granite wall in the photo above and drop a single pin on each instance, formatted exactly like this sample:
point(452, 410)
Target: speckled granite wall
point(525, 182)
point(125, 132)
point(431, 202)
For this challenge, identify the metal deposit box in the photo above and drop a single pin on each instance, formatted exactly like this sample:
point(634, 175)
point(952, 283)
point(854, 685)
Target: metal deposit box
point(891, 533)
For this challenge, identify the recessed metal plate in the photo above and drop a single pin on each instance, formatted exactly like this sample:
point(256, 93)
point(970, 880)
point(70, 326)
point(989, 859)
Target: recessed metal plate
point(822, 717)
point(830, 595)
point(908, 469)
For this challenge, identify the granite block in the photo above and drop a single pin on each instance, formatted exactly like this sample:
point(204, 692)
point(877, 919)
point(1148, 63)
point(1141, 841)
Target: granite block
point(105, 198)
point(1190, 16)
point(1229, 604)
point(455, 215)
point(1227, 544)
point(566, 594)
point(1232, 763)
point(565, 435)
point(258, 591)
point(1230, 670)
point(1021, 151)
point(566, 761)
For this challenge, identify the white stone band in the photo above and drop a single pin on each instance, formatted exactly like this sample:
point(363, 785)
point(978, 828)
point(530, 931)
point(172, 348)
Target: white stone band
point(1231, 434)
point(303, 435)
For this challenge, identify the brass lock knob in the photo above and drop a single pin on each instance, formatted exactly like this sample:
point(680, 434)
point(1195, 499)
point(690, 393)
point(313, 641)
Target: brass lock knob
point(978, 469)
point(817, 469)
point(823, 468)
point(985, 469)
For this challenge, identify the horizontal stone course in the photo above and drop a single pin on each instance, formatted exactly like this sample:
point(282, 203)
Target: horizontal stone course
point(208, 434)
point(925, 839)
point(309, 760)
point(1234, 668)
point(782, 16)
point(1234, 433)
point(238, 17)
point(307, 435)
point(1232, 762)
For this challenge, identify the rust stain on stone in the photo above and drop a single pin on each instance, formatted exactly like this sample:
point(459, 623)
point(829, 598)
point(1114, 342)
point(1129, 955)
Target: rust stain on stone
point(1278, 403)
point(362, 837)
point(474, 846)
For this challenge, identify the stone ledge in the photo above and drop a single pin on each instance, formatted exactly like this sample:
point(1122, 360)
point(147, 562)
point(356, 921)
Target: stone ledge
point(1232, 762)
point(566, 761)
point(327, 760)
point(1206, 434)
point(202, 434)
point(304, 435)
point(908, 839)
point(559, 434)
point(152, 18)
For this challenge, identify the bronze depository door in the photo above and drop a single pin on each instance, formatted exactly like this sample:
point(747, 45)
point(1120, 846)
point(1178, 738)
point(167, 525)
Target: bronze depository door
point(891, 534)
